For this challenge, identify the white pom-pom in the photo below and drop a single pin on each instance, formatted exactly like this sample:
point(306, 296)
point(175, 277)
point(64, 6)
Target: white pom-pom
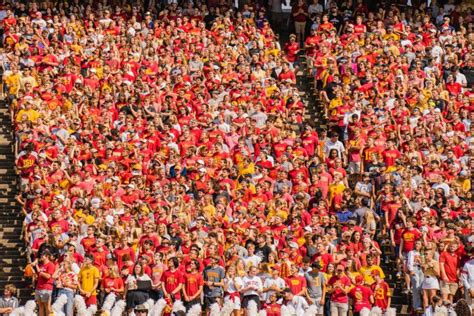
point(364, 312)
point(262, 313)
point(109, 302)
point(119, 308)
point(228, 308)
point(311, 311)
point(376, 311)
point(215, 310)
point(80, 305)
point(149, 305)
point(252, 308)
point(59, 305)
point(19, 311)
point(158, 308)
point(391, 311)
point(91, 310)
point(441, 311)
point(30, 307)
point(178, 306)
point(196, 310)
point(287, 310)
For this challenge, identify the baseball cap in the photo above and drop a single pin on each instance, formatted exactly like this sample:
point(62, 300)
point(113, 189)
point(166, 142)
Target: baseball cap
point(141, 308)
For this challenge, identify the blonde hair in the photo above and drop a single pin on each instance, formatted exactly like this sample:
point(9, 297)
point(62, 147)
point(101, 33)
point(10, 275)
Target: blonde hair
point(11, 288)
point(114, 272)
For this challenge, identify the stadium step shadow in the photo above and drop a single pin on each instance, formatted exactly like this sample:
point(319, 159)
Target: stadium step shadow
point(12, 251)
point(316, 118)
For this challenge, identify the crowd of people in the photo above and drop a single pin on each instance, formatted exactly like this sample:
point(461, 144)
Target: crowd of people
point(167, 164)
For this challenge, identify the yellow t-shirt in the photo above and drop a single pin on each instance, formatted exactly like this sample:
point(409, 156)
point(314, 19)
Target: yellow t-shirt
point(367, 273)
point(336, 189)
point(13, 83)
point(249, 169)
point(87, 276)
point(32, 115)
point(275, 52)
point(209, 210)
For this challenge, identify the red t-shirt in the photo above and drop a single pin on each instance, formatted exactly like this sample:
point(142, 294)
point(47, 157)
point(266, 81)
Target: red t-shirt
point(43, 283)
point(192, 282)
point(119, 253)
point(389, 157)
point(361, 295)
point(409, 236)
point(451, 265)
point(324, 260)
point(338, 295)
point(291, 50)
point(381, 294)
point(273, 309)
point(172, 280)
point(88, 243)
point(296, 283)
point(116, 283)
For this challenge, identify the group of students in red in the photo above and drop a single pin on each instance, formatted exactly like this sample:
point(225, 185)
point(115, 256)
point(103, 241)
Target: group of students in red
point(167, 163)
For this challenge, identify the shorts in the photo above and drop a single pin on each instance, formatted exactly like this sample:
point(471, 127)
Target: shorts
point(92, 300)
point(300, 27)
point(449, 288)
point(248, 298)
point(190, 304)
point(208, 301)
point(43, 296)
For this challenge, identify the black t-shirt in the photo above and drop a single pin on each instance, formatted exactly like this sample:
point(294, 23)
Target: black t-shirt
point(263, 252)
point(469, 73)
point(330, 89)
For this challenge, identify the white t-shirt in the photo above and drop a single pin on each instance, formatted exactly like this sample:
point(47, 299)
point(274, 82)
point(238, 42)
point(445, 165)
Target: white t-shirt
point(461, 79)
point(252, 261)
point(256, 282)
point(231, 287)
point(336, 145)
point(269, 282)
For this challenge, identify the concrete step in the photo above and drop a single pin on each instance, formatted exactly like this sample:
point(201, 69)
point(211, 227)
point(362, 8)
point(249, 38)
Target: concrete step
point(12, 261)
point(6, 270)
point(12, 249)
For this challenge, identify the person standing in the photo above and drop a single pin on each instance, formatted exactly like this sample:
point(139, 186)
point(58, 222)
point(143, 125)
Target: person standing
point(316, 285)
point(273, 285)
point(172, 281)
point(276, 12)
point(381, 290)
point(467, 277)
point(44, 269)
point(251, 289)
point(416, 274)
point(193, 285)
point(339, 286)
point(66, 283)
point(232, 286)
point(89, 277)
point(214, 276)
point(300, 15)
point(449, 267)
point(362, 296)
